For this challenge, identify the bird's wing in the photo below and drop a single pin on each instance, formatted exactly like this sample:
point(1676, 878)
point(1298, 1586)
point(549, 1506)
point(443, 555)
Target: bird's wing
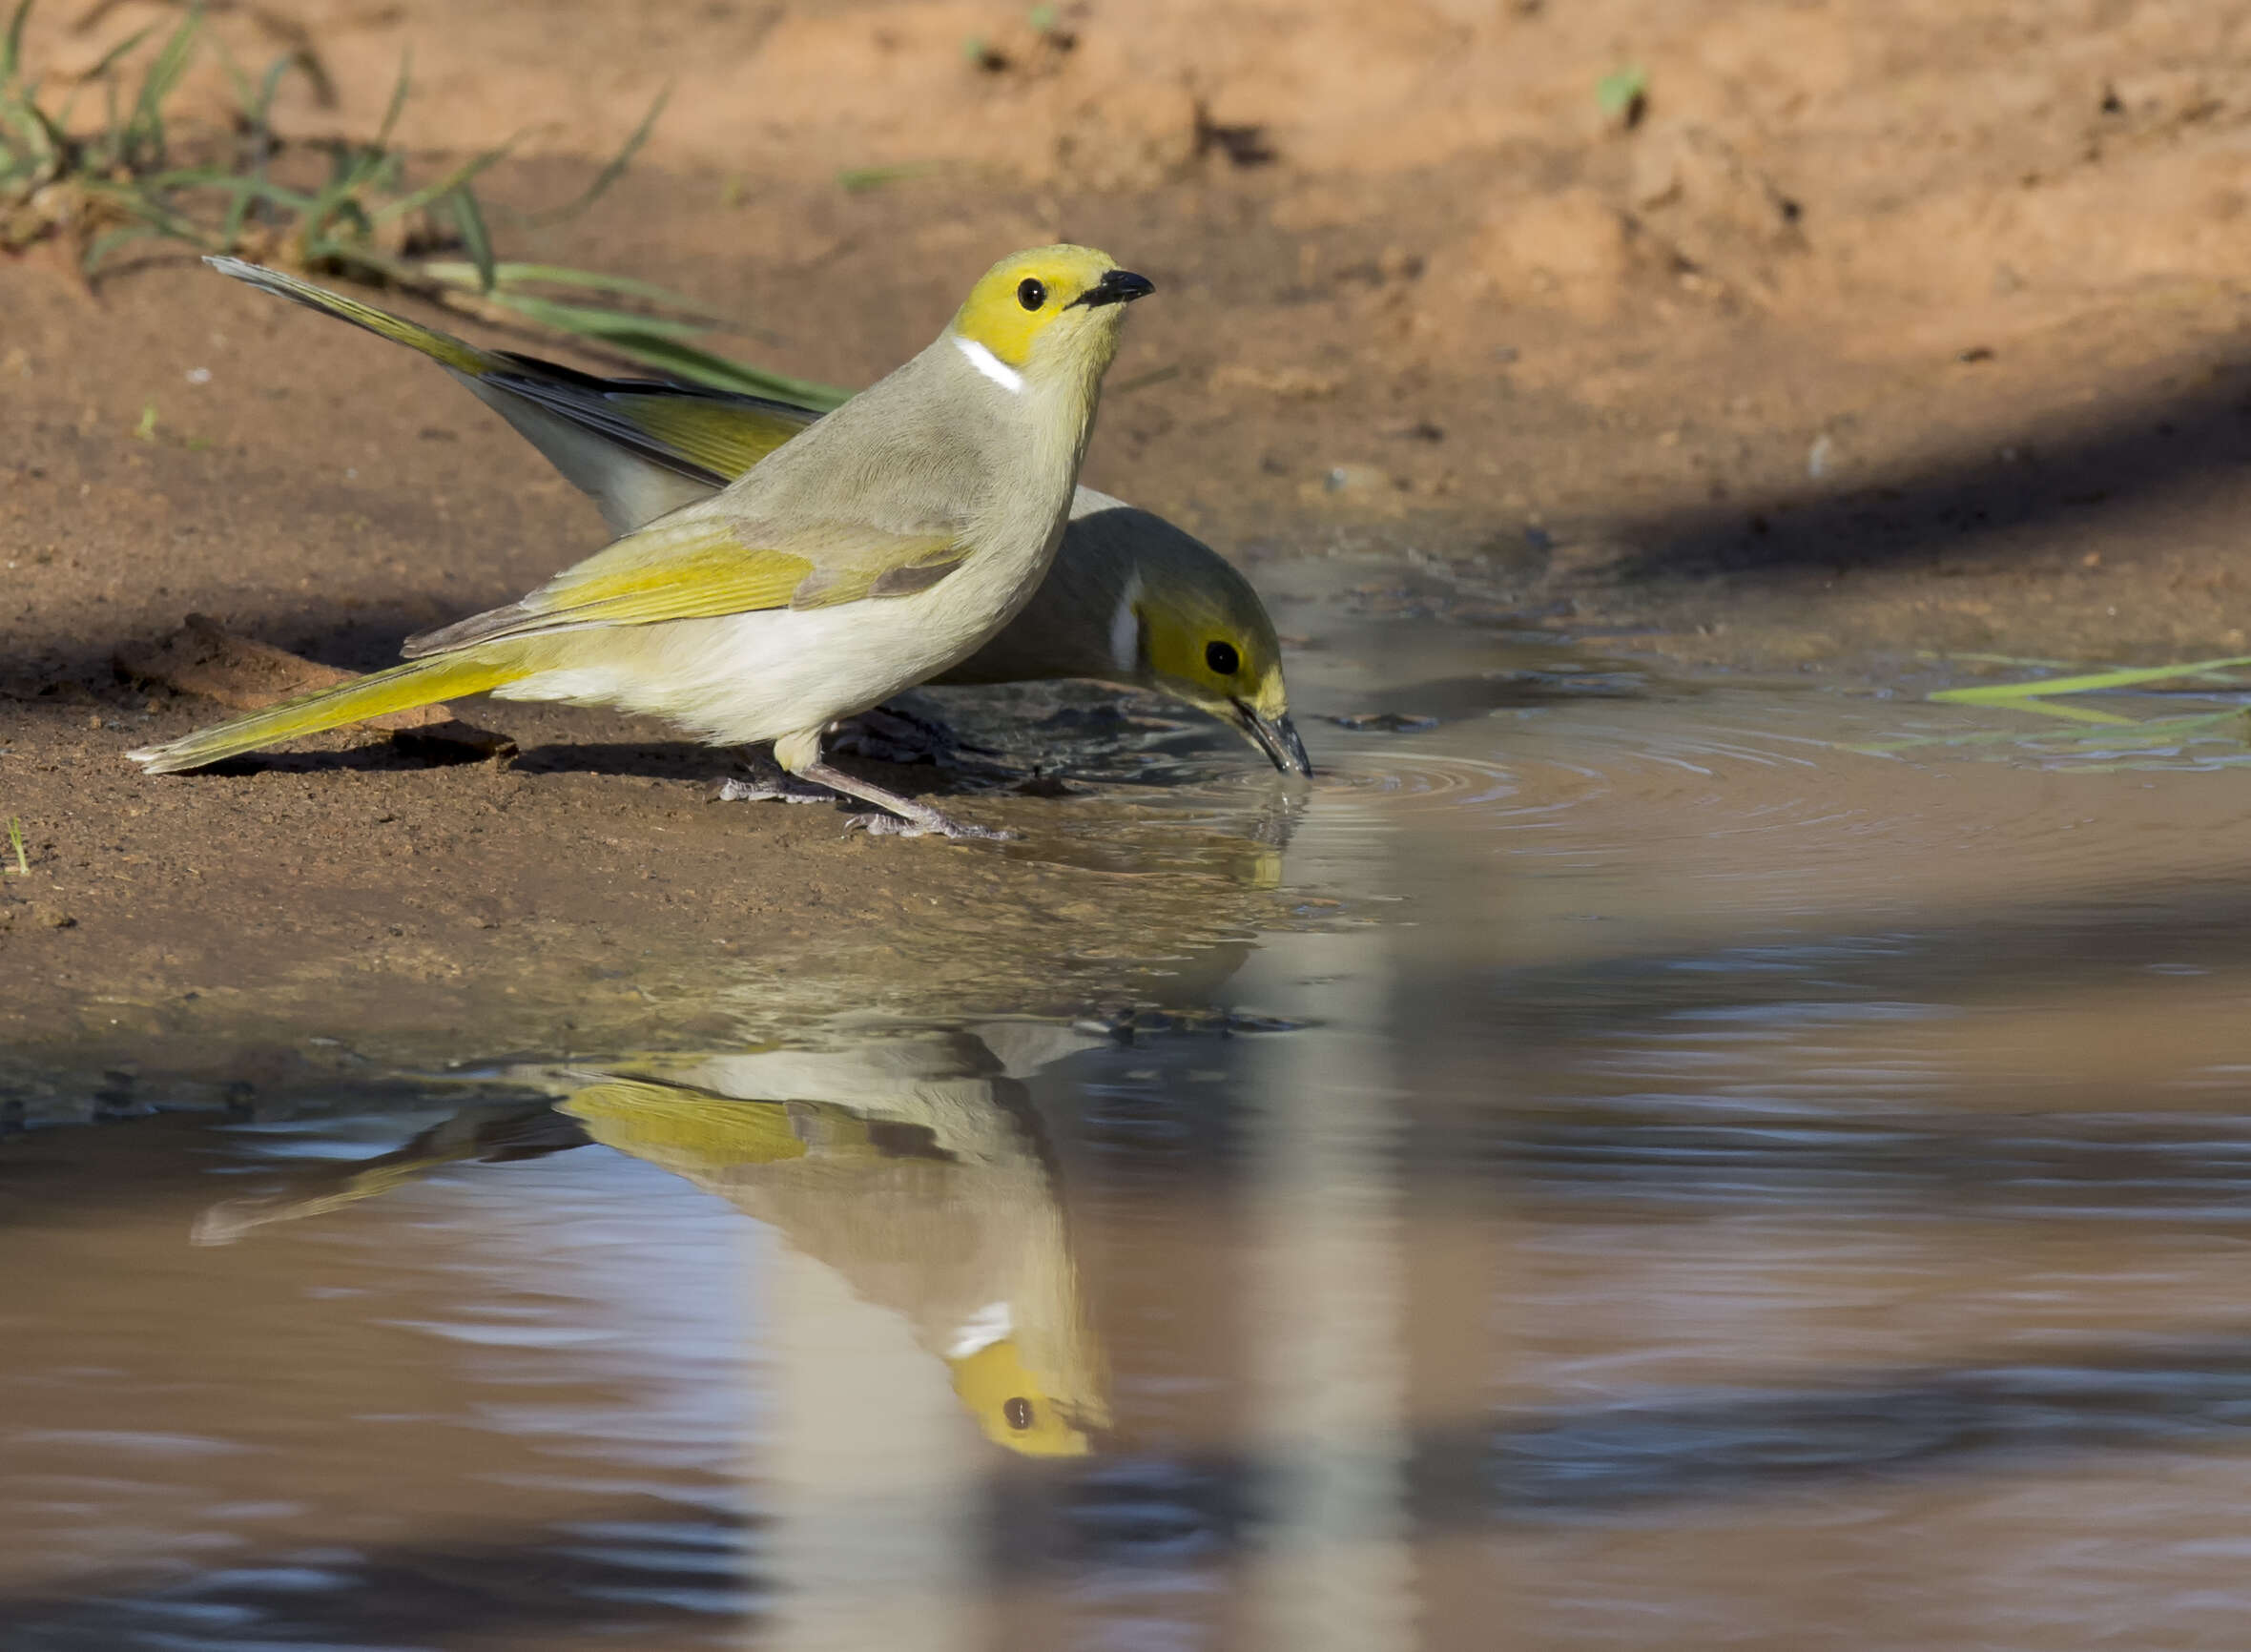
point(681, 1128)
point(724, 434)
point(711, 434)
point(699, 565)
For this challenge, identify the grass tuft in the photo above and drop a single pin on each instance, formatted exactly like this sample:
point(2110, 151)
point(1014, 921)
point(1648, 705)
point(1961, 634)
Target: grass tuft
point(337, 208)
point(15, 845)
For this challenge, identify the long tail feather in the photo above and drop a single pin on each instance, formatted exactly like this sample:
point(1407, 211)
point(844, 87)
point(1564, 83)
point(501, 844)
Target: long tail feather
point(400, 689)
point(441, 347)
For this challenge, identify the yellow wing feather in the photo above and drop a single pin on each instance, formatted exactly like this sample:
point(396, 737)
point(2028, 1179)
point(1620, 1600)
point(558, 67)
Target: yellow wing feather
point(726, 437)
point(703, 568)
point(668, 1123)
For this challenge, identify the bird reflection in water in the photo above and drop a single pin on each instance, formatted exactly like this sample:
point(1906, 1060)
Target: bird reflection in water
point(913, 1168)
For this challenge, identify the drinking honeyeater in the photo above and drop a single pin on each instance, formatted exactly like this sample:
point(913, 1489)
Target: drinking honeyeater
point(1130, 598)
point(880, 548)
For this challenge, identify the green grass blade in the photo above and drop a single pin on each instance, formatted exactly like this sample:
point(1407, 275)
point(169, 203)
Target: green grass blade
point(313, 222)
point(144, 127)
point(591, 321)
point(2158, 730)
point(235, 78)
point(859, 180)
point(475, 239)
point(398, 103)
point(43, 145)
point(700, 366)
point(260, 110)
point(12, 44)
point(2007, 694)
point(610, 172)
point(2066, 711)
point(258, 116)
point(61, 119)
point(446, 185)
point(117, 54)
point(1619, 91)
point(558, 275)
point(131, 199)
point(98, 250)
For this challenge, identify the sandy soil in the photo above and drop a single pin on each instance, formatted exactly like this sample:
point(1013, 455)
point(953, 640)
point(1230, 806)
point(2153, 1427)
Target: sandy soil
point(1883, 327)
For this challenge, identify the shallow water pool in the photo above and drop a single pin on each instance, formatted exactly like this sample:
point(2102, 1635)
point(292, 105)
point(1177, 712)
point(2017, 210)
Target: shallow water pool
point(1699, 1163)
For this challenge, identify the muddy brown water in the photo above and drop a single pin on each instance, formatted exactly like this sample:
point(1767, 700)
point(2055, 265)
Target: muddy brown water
point(1689, 1163)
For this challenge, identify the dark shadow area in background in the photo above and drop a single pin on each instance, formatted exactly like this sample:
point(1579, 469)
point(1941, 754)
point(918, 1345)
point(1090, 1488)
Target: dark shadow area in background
point(1668, 1449)
point(2128, 453)
point(2104, 936)
point(1677, 1447)
point(578, 1588)
point(1682, 1450)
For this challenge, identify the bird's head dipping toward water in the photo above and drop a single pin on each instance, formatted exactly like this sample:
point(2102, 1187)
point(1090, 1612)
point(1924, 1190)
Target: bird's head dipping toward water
point(1011, 1406)
point(1048, 314)
point(1194, 629)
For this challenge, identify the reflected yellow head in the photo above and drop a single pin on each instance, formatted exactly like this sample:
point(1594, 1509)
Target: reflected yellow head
point(1011, 1407)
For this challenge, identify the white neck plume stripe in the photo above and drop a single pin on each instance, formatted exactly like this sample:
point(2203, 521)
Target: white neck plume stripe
point(990, 365)
point(1125, 629)
point(988, 1325)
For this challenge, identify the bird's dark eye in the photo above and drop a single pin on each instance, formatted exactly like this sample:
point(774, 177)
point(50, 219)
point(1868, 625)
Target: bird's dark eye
point(1222, 658)
point(1019, 1413)
point(1031, 292)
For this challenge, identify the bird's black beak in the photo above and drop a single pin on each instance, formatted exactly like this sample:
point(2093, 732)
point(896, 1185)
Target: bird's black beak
point(1277, 739)
point(1116, 287)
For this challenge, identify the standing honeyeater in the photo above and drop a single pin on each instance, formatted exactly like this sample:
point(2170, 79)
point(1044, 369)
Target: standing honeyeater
point(1130, 598)
point(873, 552)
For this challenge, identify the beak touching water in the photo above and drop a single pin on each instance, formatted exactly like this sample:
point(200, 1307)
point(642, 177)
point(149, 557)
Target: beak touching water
point(1277, 739)
point(1116, 287)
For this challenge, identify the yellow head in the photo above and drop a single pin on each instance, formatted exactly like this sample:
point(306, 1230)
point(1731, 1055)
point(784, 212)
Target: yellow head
point(1193, 627)
point(1211, 644)
point(1053, 311)
point(1011, 1407)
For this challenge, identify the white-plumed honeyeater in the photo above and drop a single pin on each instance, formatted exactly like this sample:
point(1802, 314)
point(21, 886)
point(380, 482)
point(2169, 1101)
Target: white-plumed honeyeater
point(1130, 599)
point(914, 1168)
point(887, 542)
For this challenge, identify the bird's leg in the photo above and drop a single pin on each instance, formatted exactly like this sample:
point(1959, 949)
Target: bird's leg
point(800, 755)
point(769, 782)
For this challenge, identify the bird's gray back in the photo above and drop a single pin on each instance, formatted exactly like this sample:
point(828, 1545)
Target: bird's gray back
point(921, 450)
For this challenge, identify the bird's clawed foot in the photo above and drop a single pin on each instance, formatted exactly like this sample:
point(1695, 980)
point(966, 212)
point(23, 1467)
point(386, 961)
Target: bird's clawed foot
point(904, 817)
point(769, 782)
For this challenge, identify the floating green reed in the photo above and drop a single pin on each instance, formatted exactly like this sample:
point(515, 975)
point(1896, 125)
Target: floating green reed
point(2091, 682)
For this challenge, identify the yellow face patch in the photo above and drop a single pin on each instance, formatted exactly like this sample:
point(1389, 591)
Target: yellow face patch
point(1023, 296)
point(1209, 658)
